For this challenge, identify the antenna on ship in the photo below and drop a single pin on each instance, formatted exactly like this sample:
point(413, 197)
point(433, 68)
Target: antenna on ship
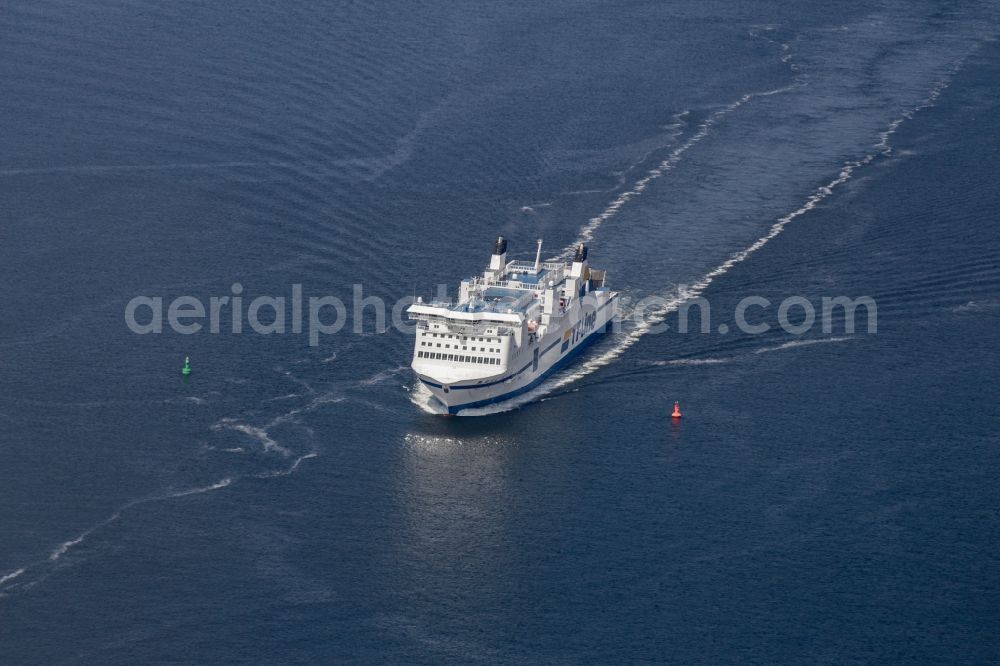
point(538, 257)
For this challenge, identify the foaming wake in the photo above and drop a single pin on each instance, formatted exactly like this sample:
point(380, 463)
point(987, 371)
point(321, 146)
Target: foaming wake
point(380, 377)
point(587, 231)
point(259, 434)
point(262, 433)
point(11, 576)
point(197, 491)
point(977, 306)
point(287, 396)
point(291, 469)
point(678, 297)
point(65, 546)
point(14, 581)
point(802, 343)
point(422, 397)
point(606, 352)
point(319, 399)
point(759, 32)
point(691, 361)
point(43, 568)
point(298, 380)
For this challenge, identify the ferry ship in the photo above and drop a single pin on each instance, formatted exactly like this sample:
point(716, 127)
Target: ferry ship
point(509, 328)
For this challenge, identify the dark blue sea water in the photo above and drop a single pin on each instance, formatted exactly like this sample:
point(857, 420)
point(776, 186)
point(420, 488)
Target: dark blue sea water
point(828, 497)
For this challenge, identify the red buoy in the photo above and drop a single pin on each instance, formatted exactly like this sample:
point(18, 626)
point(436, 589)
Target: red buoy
point(677, 410)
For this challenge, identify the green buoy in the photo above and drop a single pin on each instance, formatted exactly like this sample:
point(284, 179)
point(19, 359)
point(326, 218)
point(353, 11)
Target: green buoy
point(186, 370)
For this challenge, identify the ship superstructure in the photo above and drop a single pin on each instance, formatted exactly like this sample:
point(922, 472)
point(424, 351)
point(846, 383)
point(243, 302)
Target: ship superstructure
point(509, 328)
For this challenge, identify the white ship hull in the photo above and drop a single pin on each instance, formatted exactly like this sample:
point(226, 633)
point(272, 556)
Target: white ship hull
point(526, 375)
point(509, 329)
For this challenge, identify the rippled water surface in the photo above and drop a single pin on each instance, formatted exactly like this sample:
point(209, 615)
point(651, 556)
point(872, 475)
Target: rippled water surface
point(827, 497)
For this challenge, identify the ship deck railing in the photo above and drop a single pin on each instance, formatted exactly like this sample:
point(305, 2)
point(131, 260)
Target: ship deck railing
point(526, 282)
point(473, 327)
point(529, 266)
point(499, 305)
point(441, 303)
point(496, 299)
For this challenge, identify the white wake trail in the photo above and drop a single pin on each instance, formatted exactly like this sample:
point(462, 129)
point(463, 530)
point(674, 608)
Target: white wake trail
point(65, 546)
point(259, 434)
point(198, 491)
point(291, 469)
point(11, 576)
point(586, 233)
point(8, 581)
point(677, 297)
point(883, 147)
point(791, 344)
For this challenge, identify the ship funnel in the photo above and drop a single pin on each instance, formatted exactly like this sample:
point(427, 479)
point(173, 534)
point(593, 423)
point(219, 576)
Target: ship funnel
point(499, 258)
point(538, 257)
point(579, 261)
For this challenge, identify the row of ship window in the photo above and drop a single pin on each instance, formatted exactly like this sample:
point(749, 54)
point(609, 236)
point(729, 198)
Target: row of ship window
point(458, 357)
point(448, 346)
point(455, 337)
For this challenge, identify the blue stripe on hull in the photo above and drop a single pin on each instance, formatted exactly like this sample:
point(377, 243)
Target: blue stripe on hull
point(586, 342)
